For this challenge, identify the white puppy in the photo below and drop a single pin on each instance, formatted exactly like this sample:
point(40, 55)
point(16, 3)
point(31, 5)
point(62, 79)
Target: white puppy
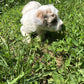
point(39, 19)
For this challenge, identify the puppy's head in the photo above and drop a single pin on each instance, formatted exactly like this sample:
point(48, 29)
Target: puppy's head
point(47, 16)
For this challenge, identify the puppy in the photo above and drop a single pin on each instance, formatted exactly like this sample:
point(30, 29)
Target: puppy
point(39, 18)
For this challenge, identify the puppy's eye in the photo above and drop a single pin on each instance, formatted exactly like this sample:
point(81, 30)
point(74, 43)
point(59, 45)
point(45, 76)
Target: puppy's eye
point(53, 15)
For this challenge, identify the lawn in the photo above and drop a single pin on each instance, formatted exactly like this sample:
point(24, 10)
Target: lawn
point(57, 60)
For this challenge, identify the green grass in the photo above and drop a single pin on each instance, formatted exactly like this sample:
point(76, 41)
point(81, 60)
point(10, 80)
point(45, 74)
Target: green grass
point(59, 60)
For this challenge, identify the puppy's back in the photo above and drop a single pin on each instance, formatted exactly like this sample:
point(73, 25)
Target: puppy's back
point(30, 6)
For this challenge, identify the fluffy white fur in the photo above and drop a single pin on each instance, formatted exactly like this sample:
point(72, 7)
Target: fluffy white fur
point(31, 5)
point(39, 18)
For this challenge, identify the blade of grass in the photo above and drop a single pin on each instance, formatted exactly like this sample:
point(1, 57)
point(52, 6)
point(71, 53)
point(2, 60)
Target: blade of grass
point(4, 41)
point(4, 62)
point(16, 79)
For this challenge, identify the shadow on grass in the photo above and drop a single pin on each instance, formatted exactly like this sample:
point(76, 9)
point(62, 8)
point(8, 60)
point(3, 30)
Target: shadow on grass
point(53, 36)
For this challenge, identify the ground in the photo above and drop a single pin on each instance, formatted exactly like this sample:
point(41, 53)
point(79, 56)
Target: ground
point(57, 60)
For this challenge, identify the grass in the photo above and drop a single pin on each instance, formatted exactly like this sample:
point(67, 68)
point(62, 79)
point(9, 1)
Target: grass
point(59, 60)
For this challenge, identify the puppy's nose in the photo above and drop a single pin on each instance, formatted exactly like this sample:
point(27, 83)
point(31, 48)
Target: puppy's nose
point(62, 27)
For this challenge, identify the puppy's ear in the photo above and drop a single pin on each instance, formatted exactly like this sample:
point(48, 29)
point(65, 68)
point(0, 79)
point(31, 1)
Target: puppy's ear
point(38, 19)
point(39, 14)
